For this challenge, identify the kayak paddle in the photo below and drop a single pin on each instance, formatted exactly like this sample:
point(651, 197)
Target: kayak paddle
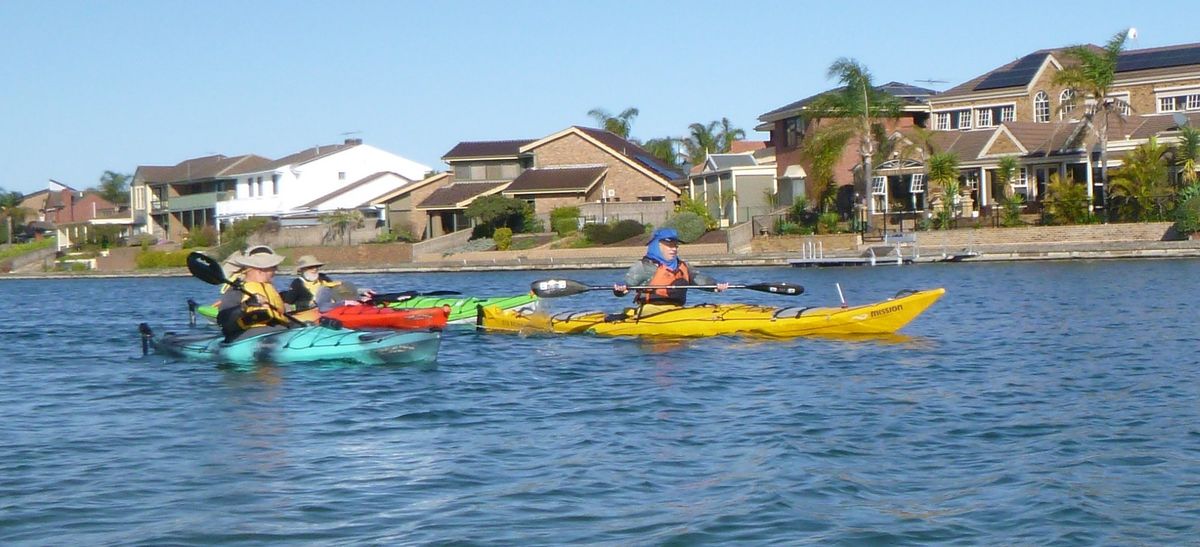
point(208, 270)
point(405, 295)
point(554, 288)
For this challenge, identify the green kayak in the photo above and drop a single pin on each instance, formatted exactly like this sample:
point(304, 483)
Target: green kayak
point(462, 308)
point(301, 345)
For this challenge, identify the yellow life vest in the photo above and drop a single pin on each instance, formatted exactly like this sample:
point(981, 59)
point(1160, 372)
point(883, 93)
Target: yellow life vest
point(312, 287)
point(263, 315)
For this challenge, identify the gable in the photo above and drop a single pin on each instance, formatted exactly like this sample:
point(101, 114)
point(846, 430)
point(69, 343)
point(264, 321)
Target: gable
point(1002, 144)
point(575, 146)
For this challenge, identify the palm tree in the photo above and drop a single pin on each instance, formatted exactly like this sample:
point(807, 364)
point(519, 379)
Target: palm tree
point(10, 207)
point(619, 124)
point(857, 104)
point(943, 180)
point(664, 149)
point(1187, 154)
point(727, 135)
point(701, 141)
point(1091, 78)
point(822, 151)
point(341, 223)
point(1142, 181)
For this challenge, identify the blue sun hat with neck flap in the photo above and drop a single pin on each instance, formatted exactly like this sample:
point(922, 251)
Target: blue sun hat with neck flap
point(666, 235)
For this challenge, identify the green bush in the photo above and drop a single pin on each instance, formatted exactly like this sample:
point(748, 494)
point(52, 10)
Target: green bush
point(162, 259)
point(234, 239)
point(1187, 216)
point(607, 234)
point(699, 208)
point(204, 236)
point(1012, 209)
point(565, 226)
point(827, 223)
point(503, 237)
point(689, 225)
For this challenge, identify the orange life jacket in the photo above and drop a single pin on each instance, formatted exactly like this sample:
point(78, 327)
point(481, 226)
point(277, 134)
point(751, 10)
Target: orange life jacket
point(664, 276)
point(264, 315)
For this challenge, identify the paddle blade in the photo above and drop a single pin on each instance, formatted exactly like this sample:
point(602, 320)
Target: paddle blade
point(554, 288)
point(777, 288)
point(205, 268)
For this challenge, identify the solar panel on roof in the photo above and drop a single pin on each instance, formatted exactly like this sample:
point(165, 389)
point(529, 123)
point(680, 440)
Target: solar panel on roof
point(1019, 74)
point(1158, 59)
point(657, 167)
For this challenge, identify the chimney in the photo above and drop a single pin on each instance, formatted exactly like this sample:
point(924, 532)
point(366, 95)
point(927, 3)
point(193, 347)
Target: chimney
point(353, 142)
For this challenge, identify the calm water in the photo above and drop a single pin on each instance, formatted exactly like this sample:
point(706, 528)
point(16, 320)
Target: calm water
point(1049, 403)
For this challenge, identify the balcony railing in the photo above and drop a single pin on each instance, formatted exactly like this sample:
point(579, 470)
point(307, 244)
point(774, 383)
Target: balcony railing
point(206, 200)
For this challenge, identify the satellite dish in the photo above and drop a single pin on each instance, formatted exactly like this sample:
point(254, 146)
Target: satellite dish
point(1180, 119)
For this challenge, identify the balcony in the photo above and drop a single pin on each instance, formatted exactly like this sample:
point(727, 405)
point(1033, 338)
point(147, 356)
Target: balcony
point(191, 202)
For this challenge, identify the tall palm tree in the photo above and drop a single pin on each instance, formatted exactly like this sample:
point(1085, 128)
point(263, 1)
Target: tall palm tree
point(701, 141)
point(1091, 79)
point(822, 151)
point(943, 179)
point(620, 124)
point(664, 149)
point(727, 135)
point(1187, 154)
point(857, 104)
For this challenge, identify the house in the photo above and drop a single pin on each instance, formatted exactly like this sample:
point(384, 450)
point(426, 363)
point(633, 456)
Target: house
point(789, 129)
point(608, 177)
point(1017, 110)
point(169, 201)
point(400, 204)
point(736, 186)
point(72, 214)
point(298, 188)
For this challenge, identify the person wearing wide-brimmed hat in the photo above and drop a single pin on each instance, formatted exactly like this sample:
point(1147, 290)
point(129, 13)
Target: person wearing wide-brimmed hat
point(662, 267)
point(260, 306)
point(318, 291)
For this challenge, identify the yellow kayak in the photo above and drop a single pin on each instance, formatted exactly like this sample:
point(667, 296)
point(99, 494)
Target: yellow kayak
point(883, 317)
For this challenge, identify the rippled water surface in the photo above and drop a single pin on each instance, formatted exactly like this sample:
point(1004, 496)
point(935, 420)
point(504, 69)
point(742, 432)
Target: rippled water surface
point(1048, 403)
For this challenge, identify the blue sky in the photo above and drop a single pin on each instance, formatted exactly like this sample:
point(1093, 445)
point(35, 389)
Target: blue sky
point(110, 85)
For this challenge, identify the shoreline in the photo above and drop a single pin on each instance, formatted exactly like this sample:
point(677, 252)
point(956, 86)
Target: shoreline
point(1114, 250)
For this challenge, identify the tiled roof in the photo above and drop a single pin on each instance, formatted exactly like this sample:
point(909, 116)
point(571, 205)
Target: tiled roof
point(910, 94)
point(356, 184)
point(303, 156)
point(456, 193)
point(207, 167)
point(738, 147)
point(726, 161)
point(435, 178)
point(557, 179)
point(483, 149)
point(632, 151)
point(1149, 126)
point(1044, 138)
point(967, 145)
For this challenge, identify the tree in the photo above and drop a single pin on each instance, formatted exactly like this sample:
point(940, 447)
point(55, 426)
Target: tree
point(1092, 79)
point(715, 137)
point(114, 187)
point(943, 178)
point(727, 135)
point(341, 223)
point(664, 150)
point(856, 105)
point(1187, 154)
point(10, 208)
point(822, 150)
point(497, 211)
point(1066, 201)
point(619, 124)
point(1141, 181)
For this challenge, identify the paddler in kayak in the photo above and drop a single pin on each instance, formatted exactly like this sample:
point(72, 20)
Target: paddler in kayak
point(262, 309)
point(316, 292)
point(662, 266)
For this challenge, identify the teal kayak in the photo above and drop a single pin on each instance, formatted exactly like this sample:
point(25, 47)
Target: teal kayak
point(463, 308)
point(303, 345)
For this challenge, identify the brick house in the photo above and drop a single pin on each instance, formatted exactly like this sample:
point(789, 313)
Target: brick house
point(168, 201)
point(606, 176)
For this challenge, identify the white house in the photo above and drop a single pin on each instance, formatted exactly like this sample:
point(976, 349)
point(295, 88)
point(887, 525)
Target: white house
point(322, 178)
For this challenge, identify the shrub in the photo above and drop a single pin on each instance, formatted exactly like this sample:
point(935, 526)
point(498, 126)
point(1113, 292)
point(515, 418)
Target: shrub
point(827, 223)
point(203, 236)
point(689, 225)
point(564, 220)
point(607, 234)
point(1012, 209)
point(234, 239)
point(1187, 216)
point(699, 208)
point(386, 236)
point(530, 222)
point(503, 237)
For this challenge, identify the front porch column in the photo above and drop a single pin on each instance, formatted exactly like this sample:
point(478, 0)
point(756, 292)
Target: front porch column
point(1091, 187)
point(984, 192)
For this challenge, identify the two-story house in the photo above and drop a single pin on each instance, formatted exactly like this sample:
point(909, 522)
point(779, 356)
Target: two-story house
point(606, 176)
point(789, 127)
point(1018, 110)
point(169, 201)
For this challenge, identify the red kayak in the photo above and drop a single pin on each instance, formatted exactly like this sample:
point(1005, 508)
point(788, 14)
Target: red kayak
point(371, 317)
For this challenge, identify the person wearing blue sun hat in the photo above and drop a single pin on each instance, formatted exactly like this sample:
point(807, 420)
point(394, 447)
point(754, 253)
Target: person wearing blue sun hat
point(662, 267)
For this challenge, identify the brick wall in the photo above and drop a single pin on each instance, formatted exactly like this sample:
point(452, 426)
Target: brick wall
point(622, 253)
point(627, 182)
point(789, 244)
point(300, 236)
point(1146, 231)
point(355, 256)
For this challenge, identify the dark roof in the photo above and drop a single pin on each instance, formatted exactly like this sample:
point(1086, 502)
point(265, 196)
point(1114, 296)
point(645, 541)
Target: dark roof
point(360, 182)
point(458, 192)
point(1159, 57)
point(205, 168)
point(1149, 126)
point(726, 161)
point(910, 94)
point(483, 149)
point(1044, 138)
point(632, 151)
point(556, 179)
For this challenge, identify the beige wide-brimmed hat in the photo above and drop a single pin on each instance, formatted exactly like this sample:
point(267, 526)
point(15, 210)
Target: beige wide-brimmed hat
point(230, 266)
point(259, 256)
point(308, 261)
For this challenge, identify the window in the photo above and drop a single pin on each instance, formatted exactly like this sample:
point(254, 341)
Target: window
point(1193, 102)
point(275, 184)
point(341, 175)
point(1041, 107)
point(943, 121)
point(1008, 113)
point(1166, 104)
point(510, 171)
point(964, 119)
point(250, 186)
point(1066, 103)
point(917, 185)
point(492, 172)
point(793, 131)
point(1021, 182)
point(879, 186)
point(652, 198)
point(985, 118)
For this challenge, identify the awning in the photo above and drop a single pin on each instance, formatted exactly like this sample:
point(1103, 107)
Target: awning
point(794, 172)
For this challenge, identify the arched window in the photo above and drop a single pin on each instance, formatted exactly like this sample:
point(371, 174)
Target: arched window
point(1066, 103)
point(1041, 107)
